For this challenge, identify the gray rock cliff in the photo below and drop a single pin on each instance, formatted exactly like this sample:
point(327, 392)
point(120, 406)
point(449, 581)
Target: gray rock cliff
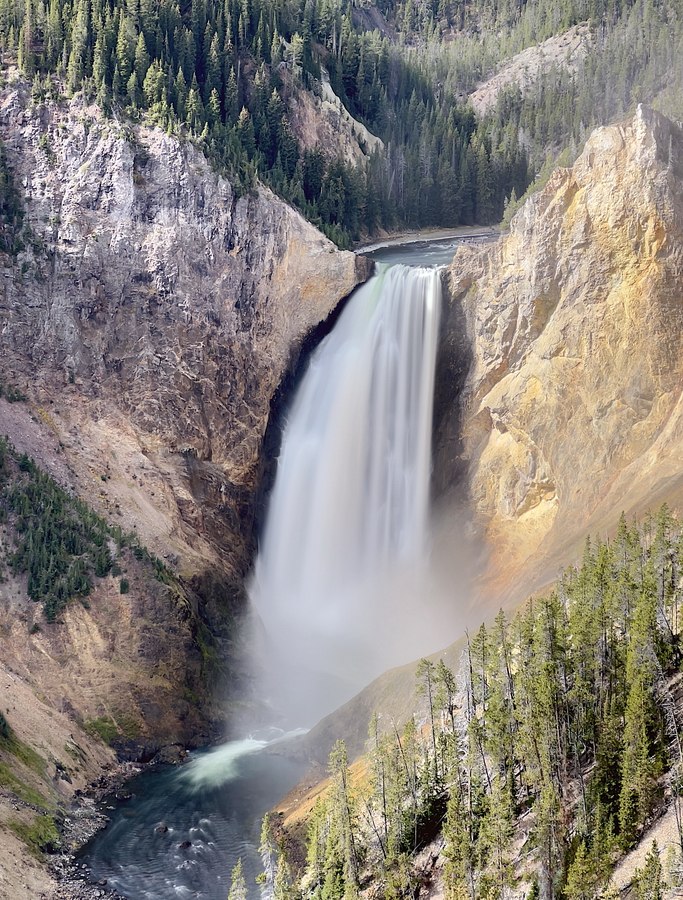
point(150, 319)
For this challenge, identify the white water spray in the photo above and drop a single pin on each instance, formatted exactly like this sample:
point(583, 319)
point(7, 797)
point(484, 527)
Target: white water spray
point(215, 767)
point(347, 524)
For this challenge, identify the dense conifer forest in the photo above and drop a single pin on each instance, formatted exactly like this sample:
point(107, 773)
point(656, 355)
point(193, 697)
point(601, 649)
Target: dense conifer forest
point(223, 71)
point(57, 540)
point(559, 733)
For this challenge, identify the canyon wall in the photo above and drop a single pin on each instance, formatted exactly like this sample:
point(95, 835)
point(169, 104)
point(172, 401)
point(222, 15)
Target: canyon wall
point(571, 411)
point(149, 314)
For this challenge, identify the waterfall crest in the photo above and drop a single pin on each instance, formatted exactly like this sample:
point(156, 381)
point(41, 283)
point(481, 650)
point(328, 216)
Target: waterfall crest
point(349, 508)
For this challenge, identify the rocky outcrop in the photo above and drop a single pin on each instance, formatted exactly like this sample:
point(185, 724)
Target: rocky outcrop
point(572, 409)
point(321, 122)
point(523, 70)
point(150, 318)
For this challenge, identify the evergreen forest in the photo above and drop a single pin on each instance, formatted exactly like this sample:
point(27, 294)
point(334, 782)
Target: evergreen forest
point(223, 72)
point(537, 763)
point(56, 540)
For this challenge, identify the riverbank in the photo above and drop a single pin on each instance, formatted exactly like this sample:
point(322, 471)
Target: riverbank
point(85, 817)
point(81, 823)
point(396, 239)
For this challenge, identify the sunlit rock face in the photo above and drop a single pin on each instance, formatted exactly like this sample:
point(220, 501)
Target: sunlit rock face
point(150, 319)
point(572, 407)
point(558, 385)
point(160, 294)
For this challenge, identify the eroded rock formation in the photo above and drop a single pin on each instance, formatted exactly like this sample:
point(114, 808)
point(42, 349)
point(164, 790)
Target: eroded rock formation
point(572, 408)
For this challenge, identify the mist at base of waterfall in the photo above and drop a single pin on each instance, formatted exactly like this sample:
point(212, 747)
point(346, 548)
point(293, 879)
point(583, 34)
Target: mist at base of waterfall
point(343, 584)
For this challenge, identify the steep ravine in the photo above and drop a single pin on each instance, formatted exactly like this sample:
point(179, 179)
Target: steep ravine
point(152, 316)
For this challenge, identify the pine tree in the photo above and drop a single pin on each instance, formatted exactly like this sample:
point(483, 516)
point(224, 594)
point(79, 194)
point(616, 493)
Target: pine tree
point(648, 881)
point(245, 130)
point(238, 885)
point(458, 851)
point(26, 38)
point(426, 676)
point(581, 879)
point(640, 721)
point(344, 814)
point(142, 60)
point(268, 853)
point(282, 887)
point(495, 836)
point(125, 48)
point(549, 839)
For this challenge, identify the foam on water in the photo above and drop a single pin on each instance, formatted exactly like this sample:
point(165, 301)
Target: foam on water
point(215, 767)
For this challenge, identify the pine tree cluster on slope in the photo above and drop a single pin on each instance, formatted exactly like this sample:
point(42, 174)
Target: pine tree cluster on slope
point(542, 761)
point(57, 540)
point(223, 69)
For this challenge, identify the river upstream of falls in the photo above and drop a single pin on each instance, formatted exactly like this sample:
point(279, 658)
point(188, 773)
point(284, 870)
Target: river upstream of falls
point(346, 530)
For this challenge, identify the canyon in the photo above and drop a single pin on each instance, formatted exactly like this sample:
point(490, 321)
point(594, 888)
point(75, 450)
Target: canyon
point(154, 321)
point(149, 319)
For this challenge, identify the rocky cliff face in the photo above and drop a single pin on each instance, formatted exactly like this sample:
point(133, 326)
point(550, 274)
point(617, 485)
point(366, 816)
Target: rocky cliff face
point(150, 318)
point(572, 408)
point(559, 392)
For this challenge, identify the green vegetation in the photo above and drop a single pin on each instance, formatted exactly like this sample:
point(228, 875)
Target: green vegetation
point(631, 59)
point(513, 203)
point(104, 728)
point(11, 210)
point(18, 751)
point(11, 393)
point(564, 716)
point(238, 885)
point(223, 73)
point(10, 781)
point(60, 543)
point(648, 881)
point(25, 754)
point(40, 836)
point(109, 730)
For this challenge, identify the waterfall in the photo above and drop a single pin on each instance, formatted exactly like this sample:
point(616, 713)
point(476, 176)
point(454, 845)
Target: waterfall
point(347, 520)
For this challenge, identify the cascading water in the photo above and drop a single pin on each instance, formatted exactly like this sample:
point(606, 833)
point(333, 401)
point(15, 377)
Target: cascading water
point(347, 521)
point(340, 585)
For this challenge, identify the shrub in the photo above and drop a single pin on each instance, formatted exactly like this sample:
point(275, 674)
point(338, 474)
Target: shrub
point(40, 836)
